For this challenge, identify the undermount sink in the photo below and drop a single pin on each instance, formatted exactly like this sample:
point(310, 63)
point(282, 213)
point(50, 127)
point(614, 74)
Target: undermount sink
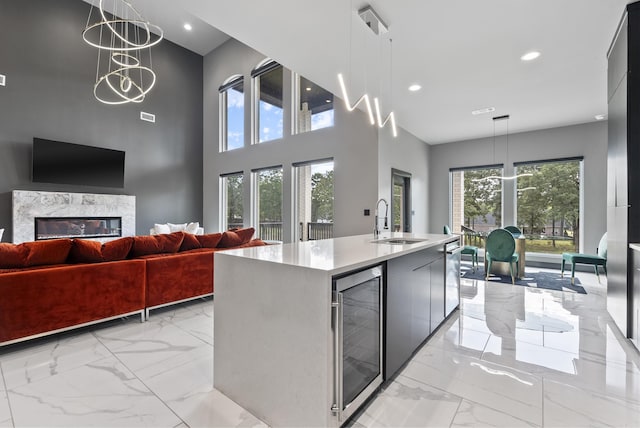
point(398, 241)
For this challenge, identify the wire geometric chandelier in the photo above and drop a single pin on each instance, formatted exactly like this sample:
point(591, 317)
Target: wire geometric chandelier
point(122, 37)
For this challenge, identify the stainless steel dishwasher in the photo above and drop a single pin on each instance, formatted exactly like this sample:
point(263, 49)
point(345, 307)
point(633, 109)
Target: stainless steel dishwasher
point(452, 276)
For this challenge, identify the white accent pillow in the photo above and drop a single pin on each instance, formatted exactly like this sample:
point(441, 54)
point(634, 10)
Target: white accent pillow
point(161, 228)
point(192, 227)
point(1, 232)
point(177, 227)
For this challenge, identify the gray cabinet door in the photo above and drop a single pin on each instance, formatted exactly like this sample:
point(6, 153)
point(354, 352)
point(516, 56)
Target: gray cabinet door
point(398, 314)
point(437, 293)
point(420, 305)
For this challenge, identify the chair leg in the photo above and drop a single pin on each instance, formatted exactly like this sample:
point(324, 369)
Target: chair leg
point(562, 269)
point(475, 261)
point(595, 267)
point(488, 269)
point(513, 278)
point(604, 268)
point(573, 273)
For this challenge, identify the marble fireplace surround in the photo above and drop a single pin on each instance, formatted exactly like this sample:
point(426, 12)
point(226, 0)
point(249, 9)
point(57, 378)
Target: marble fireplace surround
point(30, 204)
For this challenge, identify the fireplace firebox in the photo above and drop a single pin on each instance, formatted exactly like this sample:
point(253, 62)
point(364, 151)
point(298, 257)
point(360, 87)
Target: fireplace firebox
point(77, 227)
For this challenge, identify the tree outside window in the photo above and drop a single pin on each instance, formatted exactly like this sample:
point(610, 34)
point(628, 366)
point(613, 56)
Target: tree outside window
point(548, 205)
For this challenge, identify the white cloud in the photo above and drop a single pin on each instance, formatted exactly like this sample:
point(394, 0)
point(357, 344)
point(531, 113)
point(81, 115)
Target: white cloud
point(322, 120)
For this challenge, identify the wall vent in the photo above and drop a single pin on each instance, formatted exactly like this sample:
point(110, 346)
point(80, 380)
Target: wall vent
point(3, 79)
point(148, 117)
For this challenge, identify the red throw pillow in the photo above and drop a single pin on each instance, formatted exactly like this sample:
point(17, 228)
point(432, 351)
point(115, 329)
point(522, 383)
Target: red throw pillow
point(84, 251)
point(13, 256)
point(210, 240)
point(50, 252)
point(236, 237)
point(254, 243)
point(190, 242)
point(117, 249)
point(170, 242)
point(144, 245)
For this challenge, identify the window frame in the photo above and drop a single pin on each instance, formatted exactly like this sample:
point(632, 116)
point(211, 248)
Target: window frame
point(223, 98)
point(296, 100)
point(264, 67)
point(581, 213)
point(224, 198)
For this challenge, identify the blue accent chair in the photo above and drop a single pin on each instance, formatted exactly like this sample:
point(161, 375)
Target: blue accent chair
point(587, 259)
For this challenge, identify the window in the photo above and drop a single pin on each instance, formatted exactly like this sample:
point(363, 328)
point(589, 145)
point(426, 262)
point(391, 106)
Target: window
point(268, 83)
point(231, 201)
point(476, 200)
point(314, 106)
point(313, 200)
point(232, 114)
point(268, 203)
point(548, 205)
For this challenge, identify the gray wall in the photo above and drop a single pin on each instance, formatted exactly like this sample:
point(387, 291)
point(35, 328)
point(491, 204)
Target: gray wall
point(409, 154)
point(49, 94)
point(352, 142)
point(588, 140)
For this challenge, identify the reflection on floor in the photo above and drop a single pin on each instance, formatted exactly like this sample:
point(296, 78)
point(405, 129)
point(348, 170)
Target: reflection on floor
point(512, 356)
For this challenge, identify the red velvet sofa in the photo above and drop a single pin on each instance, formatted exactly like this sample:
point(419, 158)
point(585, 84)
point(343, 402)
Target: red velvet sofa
point(55, 285)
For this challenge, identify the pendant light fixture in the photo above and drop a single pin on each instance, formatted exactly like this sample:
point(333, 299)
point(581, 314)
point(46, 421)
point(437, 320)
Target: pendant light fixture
point(124, 40)
point(375, 23)
point(495, 177)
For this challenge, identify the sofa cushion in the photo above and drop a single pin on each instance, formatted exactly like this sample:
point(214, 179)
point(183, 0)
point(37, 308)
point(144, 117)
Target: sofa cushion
point(170, 243)
point(180, 227)
point(13, 256)
point(161, 228)
point(210, 240)
point(190, 242)
point(254, 243)
point(236, 237)
point(143, 245)
point(155, 244)
point(50, 252)
point(84, 251)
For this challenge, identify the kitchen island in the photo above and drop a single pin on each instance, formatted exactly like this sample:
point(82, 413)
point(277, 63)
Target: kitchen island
point(276, 319)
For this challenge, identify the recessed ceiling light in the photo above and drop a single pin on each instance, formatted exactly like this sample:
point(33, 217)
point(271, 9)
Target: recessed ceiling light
point(327, 101)
point(308, 88)
point(483, 110)
point(529, 56)
point(415, 87)
point(188, 27)
point(600, 116)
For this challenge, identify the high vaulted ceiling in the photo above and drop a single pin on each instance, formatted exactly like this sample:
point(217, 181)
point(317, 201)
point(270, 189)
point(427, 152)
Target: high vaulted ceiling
point(464, 53)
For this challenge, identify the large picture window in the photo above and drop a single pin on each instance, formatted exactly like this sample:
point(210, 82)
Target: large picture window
point(548, 205)
point(268, 83)
point(268, 203)
point(231, 195)
point(232, 114)
point(476, 199)
point(314, 106)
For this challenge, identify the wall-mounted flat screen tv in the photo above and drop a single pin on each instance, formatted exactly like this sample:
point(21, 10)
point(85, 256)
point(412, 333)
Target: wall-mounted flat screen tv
point(67, 163)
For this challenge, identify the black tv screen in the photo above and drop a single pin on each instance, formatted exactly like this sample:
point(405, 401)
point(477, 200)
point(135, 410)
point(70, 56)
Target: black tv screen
point(67, 163)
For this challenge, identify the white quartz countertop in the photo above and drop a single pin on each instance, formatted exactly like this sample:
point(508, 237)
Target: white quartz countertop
point(339, 255)
point(635, 246)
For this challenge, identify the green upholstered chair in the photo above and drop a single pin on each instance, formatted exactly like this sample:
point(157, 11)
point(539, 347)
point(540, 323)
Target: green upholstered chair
point(467, 249)
point(514, 230)
point(500, 247)
point(587, 259)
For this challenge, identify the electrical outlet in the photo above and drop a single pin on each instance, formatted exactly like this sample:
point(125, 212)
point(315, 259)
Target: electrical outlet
point(147, 117)
point(367, 212)
point(3, 80)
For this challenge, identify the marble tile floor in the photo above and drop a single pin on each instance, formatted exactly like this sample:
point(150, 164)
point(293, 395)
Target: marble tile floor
point(512, 356)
